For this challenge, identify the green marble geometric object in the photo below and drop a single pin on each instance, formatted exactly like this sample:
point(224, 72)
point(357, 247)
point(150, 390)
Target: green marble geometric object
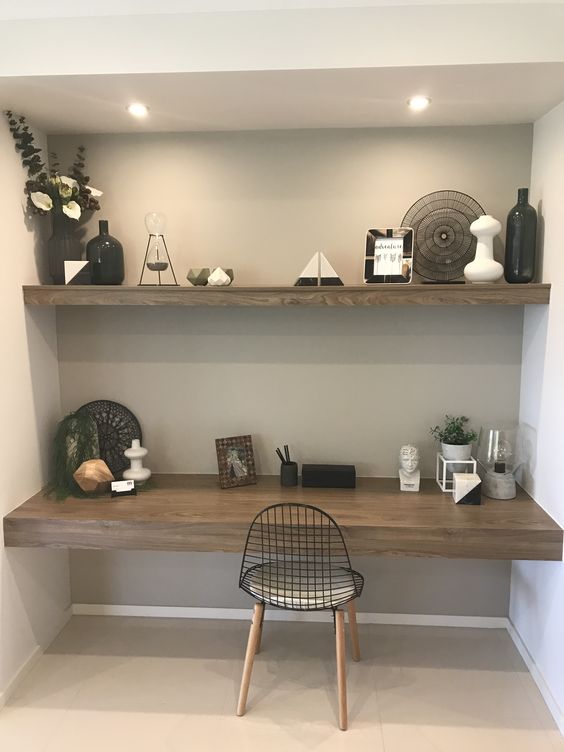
point(198, 276)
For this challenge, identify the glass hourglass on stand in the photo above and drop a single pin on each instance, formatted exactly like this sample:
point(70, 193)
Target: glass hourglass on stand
point(157, 259)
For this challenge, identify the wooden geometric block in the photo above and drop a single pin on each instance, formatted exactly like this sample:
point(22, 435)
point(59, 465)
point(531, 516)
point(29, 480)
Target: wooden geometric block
point(93, 476)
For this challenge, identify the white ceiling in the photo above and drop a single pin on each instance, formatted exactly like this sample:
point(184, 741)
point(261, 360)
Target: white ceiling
point(73, 9)
point(461, 95)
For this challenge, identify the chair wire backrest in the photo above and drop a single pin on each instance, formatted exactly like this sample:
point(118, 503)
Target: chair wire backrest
point(297, 549)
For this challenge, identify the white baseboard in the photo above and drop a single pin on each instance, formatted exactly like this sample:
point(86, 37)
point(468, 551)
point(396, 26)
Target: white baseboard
point(435, 620)
point(185, 612)
point(553, 706)
point(20, 674)
point(30, 662)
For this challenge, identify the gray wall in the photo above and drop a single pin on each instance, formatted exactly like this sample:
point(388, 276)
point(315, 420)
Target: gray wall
point(393, 585)
point(339, 385)
point(264, 202)
point(350, 385)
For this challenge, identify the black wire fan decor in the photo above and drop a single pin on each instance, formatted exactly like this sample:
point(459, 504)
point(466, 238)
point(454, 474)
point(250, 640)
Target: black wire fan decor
point(443, 243)
point(117, 427)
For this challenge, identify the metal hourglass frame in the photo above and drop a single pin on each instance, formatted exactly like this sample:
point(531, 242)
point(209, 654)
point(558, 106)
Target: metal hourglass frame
point(155, 223)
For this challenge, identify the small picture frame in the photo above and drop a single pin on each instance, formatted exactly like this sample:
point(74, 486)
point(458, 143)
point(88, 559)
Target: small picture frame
point(236, 461)
point(389, 256)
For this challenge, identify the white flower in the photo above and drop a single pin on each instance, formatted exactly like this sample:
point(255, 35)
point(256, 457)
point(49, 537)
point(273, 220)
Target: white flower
point(41, 200)
point(94, 191)
point(71, 182)
point(72, 210)
point(65, 191)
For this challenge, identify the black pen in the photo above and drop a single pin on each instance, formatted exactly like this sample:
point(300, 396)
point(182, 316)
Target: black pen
point(287, 453)
point(279, 453)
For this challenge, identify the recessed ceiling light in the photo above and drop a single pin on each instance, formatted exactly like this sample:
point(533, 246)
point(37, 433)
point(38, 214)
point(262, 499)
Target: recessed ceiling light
point(418, 103)
point(137, 109)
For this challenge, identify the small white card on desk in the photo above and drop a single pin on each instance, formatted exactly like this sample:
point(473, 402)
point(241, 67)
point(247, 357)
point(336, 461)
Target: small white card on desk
point(123, 488)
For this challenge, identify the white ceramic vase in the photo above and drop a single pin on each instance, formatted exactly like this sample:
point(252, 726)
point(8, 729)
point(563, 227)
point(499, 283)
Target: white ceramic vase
point(135, 455)
point(484, 268)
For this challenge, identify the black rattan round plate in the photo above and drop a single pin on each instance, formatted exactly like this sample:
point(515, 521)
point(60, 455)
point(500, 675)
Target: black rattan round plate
point(443, 243)
point(117, 427)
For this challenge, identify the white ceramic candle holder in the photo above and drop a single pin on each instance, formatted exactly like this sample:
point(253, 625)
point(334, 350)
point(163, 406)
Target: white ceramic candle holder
point(135, 455)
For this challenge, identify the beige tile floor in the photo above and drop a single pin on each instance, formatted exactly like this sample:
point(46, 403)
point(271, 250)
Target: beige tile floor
point(110, 684)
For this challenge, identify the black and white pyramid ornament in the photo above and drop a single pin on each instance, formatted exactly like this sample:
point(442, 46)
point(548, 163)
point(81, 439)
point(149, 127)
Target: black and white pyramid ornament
point(78, 272)
point(467, 488)
point(318, 272)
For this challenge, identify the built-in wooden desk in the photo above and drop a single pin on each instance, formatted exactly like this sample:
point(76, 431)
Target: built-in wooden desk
point(191, 513)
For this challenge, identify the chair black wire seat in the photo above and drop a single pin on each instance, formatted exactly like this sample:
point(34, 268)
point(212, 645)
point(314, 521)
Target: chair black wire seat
point(295, 558)
point(303, 589)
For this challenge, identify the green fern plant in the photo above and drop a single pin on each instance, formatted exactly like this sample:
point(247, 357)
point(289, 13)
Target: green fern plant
point(76, 441)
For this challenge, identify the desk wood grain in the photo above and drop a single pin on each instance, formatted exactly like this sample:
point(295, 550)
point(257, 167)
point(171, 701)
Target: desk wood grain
point(191, 513)
point(367, 295)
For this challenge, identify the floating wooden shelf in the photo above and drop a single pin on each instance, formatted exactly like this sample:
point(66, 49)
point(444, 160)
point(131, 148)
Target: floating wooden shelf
point(191, 513)
point(367, 295)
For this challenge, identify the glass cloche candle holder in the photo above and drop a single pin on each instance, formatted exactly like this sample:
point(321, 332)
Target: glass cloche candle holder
point(157, 258)
point(496, 449)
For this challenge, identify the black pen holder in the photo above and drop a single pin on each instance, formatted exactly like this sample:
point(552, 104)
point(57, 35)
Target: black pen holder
point(289, 474)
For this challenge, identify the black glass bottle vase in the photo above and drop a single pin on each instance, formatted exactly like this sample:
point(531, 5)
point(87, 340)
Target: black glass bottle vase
point(63, 245)
point(105, 254)
point(520, 241)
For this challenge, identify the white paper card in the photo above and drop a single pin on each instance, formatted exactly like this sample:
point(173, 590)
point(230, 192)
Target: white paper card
point(388, 256)
point(121, 486)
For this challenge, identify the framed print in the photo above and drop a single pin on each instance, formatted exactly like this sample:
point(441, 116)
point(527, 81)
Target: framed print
point(389, 256)
point(236, 461)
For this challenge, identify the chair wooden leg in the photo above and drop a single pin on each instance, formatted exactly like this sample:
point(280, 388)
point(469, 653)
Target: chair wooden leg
point(259, 639)
point(254, 637)
point(353, 629)
point(341, 668)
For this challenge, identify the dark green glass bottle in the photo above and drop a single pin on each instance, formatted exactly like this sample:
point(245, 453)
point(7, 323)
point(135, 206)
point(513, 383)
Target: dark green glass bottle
point(520, 240)
point(105, 254)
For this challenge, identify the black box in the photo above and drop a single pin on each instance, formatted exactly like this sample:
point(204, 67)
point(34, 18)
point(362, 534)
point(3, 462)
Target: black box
point(328, 476)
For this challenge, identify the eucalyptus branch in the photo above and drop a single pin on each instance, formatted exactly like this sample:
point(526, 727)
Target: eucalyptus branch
point(76, 170)
point(54, 164)
point(25, 144)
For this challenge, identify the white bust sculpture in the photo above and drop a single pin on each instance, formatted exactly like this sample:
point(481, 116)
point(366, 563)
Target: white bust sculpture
point(409, 474)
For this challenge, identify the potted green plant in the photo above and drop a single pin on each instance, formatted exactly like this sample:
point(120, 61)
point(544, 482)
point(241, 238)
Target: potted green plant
point(456, 439)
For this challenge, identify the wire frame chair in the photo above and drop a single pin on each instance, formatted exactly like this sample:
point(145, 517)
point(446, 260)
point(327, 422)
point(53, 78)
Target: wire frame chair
point(295, 558)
